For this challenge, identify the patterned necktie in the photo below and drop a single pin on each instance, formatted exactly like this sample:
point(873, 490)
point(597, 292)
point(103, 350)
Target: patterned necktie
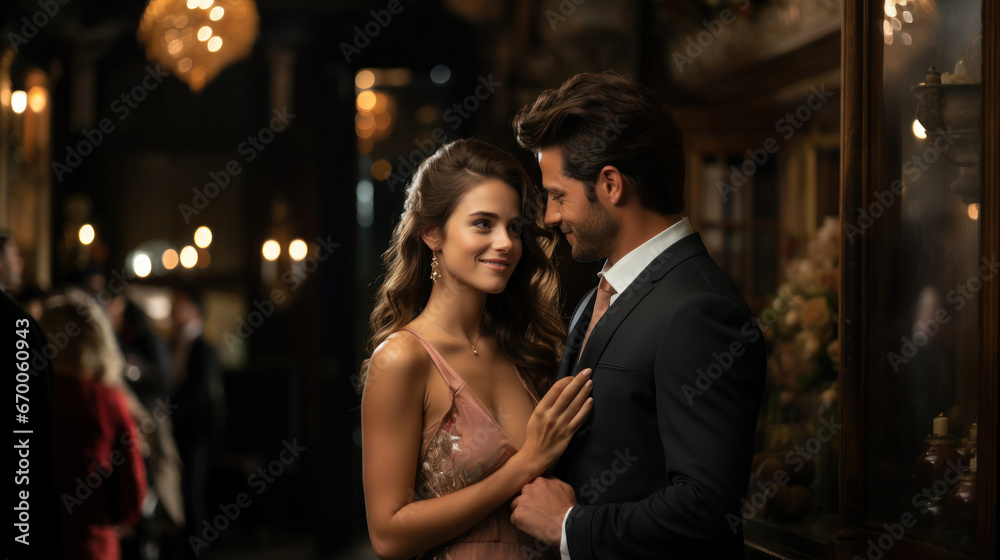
point(604, 293)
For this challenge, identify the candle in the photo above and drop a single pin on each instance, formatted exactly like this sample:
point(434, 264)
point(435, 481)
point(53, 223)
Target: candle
point(973, 432)
point(940, 425)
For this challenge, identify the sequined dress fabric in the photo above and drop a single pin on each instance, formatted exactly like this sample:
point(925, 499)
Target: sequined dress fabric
point(464, 447)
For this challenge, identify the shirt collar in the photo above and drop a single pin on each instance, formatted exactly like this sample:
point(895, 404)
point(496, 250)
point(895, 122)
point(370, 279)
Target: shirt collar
point(635, 261)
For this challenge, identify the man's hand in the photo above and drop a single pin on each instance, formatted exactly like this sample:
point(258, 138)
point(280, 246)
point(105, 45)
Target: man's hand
point(540, 509)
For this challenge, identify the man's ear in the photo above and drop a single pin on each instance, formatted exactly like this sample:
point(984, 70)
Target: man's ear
point(611, 183)
point(432, 237)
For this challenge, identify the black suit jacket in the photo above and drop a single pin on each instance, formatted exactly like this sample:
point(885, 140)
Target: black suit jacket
point(194, 420)
point(662, 462)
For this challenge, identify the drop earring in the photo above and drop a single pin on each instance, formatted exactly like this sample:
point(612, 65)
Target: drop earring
point(435, 274)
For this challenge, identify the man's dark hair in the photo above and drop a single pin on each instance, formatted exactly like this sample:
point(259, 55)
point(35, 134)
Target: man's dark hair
point(609, 119)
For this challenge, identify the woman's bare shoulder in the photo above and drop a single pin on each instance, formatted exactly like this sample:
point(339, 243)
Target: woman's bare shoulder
point(400, 358)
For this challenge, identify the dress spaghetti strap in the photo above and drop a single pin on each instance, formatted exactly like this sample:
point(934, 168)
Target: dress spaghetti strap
point(451, 377)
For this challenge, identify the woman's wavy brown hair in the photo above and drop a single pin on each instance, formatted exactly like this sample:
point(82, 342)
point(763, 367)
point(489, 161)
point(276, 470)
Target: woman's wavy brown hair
point(524, 318)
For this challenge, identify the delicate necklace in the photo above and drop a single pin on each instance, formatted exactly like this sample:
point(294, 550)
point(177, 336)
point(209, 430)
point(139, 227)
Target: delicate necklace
point(474, 351)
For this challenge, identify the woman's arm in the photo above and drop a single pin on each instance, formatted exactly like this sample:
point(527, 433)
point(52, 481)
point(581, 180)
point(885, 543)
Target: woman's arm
point(391, 420)
point(129, 477)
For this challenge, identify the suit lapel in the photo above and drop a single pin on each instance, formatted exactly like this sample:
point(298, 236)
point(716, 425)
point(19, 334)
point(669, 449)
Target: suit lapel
point(628, 300)
point(577, 330)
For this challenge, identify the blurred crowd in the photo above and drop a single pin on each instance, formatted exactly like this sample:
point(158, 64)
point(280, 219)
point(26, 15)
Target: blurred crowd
point(134, 413)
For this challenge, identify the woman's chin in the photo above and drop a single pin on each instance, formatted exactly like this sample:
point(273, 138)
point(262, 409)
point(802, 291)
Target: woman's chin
point(495, 287)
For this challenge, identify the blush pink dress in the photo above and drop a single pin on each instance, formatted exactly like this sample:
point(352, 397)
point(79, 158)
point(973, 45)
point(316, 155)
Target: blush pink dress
point(462, 448)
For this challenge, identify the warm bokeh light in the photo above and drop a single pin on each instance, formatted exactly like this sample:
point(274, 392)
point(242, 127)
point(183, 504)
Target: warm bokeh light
point(365, 146)
point(271, 250)
point(169, 259)
point(198, 42)
point(364, 79)
point(366, 100)
point(918, 129)
point(204, 258)
point(37, 99)
point(381, 169)
point(383, 120)
point(298, 250)
point(364, 120)
point(142, 265)
point(381, 103)
point(974, 211)
point(87, 234)
point(203, 237)
point(395, 77)
point(189, 256)
point(19, 100)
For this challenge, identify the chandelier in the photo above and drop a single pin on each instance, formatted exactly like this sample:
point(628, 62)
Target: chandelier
point(197, 39)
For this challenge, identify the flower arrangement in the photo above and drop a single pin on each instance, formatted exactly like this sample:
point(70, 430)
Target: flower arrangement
point(800, 328)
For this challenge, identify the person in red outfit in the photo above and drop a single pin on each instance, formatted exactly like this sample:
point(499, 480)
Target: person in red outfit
point(99, 473)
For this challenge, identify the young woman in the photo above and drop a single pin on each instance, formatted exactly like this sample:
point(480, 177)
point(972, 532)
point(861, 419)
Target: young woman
point(466, 336)
point(95, 437)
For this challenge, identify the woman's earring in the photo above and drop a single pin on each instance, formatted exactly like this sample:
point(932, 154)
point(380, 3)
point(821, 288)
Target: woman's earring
point(435, 274)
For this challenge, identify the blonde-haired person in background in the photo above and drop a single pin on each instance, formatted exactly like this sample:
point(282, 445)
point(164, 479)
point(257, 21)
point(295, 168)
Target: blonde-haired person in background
point(98, 471)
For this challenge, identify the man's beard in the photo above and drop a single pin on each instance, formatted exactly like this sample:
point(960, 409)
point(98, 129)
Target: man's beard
point(596, 235)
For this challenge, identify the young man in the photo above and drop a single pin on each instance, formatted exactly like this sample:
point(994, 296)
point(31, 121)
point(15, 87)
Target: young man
point(660, 466)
